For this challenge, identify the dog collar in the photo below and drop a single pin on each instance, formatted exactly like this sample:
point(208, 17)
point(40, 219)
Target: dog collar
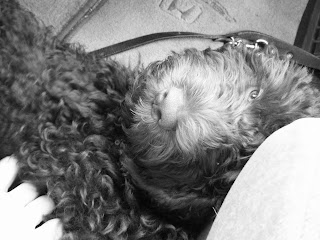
point(254, 38)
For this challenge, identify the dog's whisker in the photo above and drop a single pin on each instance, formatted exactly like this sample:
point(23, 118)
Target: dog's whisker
point(215, 211)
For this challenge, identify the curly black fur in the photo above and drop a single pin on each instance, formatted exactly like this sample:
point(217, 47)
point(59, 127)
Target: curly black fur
point(60, 115)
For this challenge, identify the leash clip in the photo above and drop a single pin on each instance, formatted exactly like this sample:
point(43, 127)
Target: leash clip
point(258, 44)
point(234, 42)
point(261, 43)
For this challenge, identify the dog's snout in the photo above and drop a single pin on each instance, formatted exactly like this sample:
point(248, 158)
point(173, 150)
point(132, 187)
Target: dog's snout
point(160, 97)
point(166, 107)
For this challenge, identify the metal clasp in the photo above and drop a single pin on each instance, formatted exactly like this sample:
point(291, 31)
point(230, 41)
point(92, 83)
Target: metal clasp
point(261, 43)
point(258, 44)
point(234, 42)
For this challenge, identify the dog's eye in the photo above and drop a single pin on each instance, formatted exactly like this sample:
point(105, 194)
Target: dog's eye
point(254, 94)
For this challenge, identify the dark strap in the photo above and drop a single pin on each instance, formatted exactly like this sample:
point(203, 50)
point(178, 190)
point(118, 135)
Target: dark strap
point(299, 55)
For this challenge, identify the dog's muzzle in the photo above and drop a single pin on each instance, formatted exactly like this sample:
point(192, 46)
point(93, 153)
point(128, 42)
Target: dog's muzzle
point(167, 107)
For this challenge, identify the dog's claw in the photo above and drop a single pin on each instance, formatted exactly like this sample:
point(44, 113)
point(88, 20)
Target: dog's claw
point(167, 106)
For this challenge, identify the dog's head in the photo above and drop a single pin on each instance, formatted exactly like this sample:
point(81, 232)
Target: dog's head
point(199, 115)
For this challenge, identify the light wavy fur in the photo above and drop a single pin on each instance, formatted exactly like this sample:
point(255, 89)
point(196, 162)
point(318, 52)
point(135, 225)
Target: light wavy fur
point(235, 98)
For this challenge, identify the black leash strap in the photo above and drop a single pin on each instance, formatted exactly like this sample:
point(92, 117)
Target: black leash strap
point(297, 54)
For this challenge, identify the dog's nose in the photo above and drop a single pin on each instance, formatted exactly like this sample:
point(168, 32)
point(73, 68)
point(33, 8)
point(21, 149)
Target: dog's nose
point(166, 107)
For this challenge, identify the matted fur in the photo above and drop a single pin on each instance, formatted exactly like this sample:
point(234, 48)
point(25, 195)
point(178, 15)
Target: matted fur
point(83, 131)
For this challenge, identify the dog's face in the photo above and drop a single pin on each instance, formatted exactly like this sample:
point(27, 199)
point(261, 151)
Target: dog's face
point(198, 115)
point(195, 101)
point(192, 117)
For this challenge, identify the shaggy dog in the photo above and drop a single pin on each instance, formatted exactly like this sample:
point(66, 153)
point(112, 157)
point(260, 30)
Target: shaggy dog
point(130, 154)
